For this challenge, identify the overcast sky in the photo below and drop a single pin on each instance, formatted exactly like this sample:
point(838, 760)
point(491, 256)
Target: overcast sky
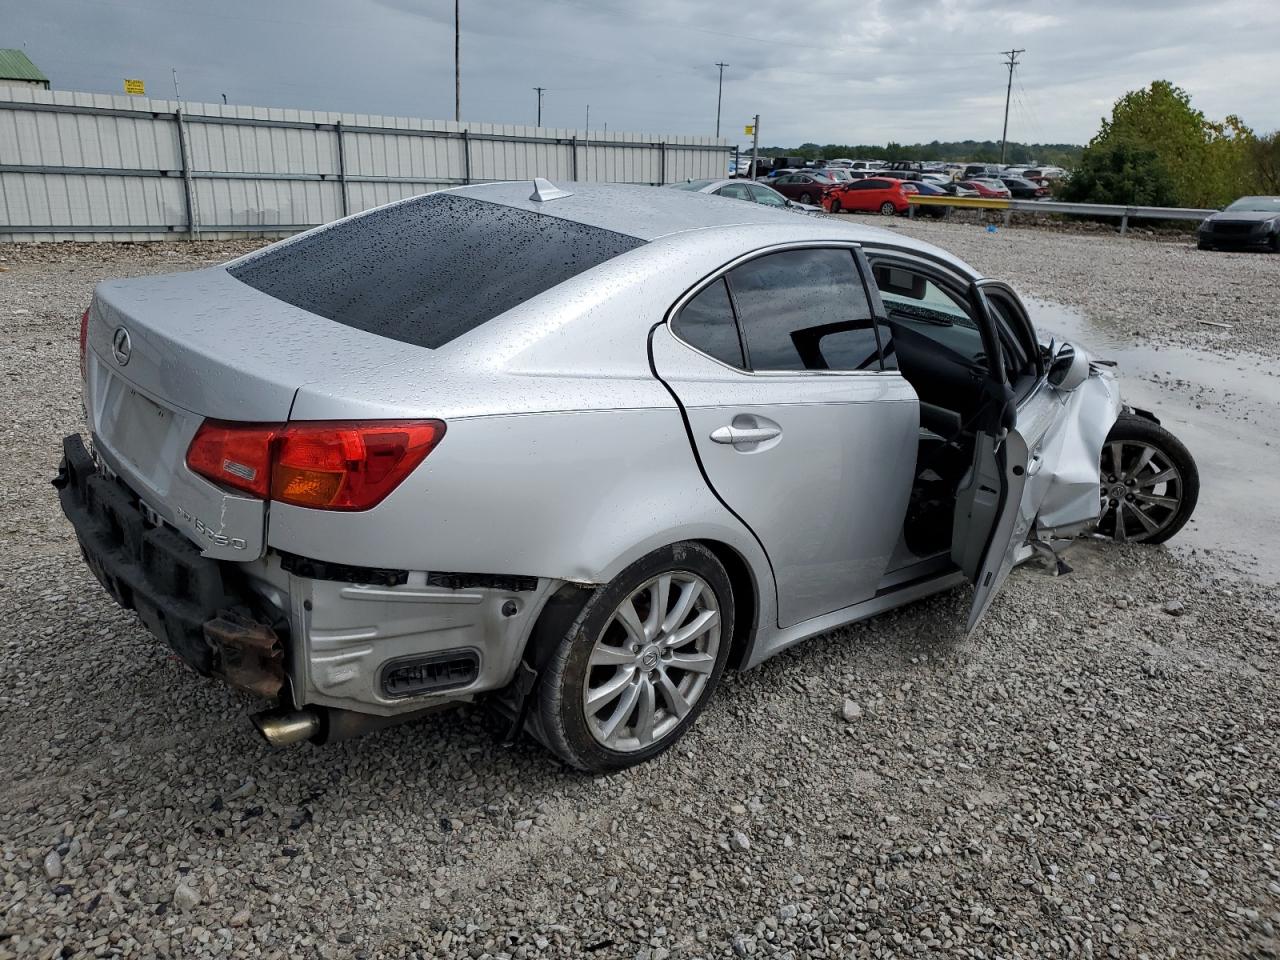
point(845, 71)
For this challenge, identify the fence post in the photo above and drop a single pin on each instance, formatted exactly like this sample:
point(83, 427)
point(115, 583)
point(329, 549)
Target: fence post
point(466, 157)
point(1124, 223)
point(573, 155)
point(188, 188)
point(911, 210)
point(1008, 215)
point(342, 167)
point(662, 164)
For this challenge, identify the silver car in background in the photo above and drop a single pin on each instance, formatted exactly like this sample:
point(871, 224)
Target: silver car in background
point(580, 450)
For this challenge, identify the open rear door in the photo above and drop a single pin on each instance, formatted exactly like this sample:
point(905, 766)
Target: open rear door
point(989, 527)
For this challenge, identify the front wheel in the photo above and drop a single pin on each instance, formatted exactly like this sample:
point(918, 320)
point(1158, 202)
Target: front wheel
point(887, 209)
point(1150, 482)
point(836, 206)
point(640, 661)
point(1203, 245)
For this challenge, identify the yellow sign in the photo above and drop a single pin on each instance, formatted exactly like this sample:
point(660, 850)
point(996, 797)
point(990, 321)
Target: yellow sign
point(135, 88)
point(750, 128)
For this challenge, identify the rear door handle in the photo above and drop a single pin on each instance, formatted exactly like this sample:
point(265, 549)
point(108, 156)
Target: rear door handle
point(731, 434)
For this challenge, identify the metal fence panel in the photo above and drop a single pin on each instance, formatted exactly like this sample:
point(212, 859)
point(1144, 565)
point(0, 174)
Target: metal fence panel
point(97, 166)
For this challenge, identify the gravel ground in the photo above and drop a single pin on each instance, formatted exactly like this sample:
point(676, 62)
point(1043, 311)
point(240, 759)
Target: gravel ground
point(1093, 773)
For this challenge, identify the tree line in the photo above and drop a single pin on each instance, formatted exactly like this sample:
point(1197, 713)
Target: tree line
point(949, 151)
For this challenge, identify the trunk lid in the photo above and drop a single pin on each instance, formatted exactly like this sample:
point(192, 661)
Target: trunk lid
point(165, 353)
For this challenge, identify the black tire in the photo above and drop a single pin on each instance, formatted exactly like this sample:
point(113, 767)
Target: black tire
point(1137, 431)
point(559, 718)
point(1203, 245)
point(887, 209)
point(836, 206)
point(806, 198)
point(1275, 242)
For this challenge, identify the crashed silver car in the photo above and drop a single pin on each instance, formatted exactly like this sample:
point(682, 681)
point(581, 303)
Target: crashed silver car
point(578, 450)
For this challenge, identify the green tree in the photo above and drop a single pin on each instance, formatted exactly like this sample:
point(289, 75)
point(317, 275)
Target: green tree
point(1264, 163)
point(1121, 172)
point(1205, 161)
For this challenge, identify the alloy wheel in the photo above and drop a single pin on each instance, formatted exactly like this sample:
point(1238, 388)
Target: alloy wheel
point(887, 209)
point(652, 661)
point(1141, 492)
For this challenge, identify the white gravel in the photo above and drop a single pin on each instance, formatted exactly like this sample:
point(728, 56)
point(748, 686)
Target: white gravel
point(1094, 773)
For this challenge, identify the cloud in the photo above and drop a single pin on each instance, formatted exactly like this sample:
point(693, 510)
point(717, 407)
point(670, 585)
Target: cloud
point(824, 70)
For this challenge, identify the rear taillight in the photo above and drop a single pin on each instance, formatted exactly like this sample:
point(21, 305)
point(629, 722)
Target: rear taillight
point(84, 345)
point(328, 465)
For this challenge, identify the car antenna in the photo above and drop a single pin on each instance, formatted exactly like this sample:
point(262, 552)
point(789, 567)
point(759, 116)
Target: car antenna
point(544, 190)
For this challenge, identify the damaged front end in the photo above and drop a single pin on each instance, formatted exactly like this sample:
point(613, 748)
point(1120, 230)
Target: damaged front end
point(1072, 450)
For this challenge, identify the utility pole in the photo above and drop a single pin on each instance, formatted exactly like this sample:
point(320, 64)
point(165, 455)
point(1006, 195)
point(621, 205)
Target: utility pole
point(719, 93)
point(176, 95)
point(540, 89)
point(755, 144)
point(1011, 62)
point(457, 68)
point(588, 127)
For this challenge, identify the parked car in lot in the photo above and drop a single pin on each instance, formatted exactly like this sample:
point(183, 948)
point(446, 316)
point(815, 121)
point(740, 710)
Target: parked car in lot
point(838, 174)
point(751, 192)
point(974, 171)
point(804, 186)
point(1247, 222)
point(882, 195)
point(1023, 188)
point(1044, 173)
point(989, 189)
point(958, 189)
point(580, 450)
point(929, 189)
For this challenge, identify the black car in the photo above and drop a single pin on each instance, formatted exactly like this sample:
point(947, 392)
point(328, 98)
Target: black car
point(1023, 189)
point(1249, 222)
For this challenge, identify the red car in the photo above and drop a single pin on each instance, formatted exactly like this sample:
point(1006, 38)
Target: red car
point(804, 187)
point(990, 189)
point(883, 194)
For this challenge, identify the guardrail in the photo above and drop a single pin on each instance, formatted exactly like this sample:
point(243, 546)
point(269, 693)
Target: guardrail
point(1125, 213)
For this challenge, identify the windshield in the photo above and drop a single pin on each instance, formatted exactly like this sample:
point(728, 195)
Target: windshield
point(1257, 205)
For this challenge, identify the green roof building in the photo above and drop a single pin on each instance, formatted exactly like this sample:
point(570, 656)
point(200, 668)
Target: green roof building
point(16, 70)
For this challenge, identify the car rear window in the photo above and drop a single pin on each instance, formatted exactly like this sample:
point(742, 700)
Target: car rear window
point(432, 269)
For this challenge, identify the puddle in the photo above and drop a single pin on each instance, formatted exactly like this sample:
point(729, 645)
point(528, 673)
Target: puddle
point(1226, 409)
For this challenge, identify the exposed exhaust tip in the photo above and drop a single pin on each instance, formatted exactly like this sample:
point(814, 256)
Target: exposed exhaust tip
point(282, 727)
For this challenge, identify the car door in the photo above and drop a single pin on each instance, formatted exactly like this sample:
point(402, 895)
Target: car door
point(1011, 454)
point(861, 195)
point(986, 362)
point(798, 429)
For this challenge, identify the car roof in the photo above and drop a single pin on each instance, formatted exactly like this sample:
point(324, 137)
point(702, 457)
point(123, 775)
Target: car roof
point(653, 213)
point(636, 210)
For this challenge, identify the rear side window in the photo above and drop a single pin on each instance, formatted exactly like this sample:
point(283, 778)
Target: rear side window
point(805, 310)
point(706, 322)
point(427, 271)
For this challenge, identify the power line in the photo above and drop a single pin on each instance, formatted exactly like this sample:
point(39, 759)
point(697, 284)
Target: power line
point(1012, 62)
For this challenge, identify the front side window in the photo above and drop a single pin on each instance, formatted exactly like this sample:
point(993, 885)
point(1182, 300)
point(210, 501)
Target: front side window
point(706, 322)
point(805, 310)
point(769, 198)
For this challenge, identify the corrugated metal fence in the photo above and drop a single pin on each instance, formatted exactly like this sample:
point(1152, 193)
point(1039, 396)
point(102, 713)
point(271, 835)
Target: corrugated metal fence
point(87, 166)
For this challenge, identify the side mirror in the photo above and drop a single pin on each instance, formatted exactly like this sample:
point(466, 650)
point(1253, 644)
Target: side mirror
point(1068, 369)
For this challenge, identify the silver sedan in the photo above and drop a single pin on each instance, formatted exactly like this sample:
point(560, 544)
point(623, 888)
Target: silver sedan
point(576, 451)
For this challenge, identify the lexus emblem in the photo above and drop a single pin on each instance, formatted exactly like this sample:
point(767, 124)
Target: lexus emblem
point(121, 346)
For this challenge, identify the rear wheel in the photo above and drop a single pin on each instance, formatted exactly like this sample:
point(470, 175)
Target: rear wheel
point(640, 661)
point(806, 198)
point(1150, 483)
point(887, 209)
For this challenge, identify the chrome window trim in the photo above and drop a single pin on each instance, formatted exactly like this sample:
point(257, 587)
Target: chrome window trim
point(674, 310)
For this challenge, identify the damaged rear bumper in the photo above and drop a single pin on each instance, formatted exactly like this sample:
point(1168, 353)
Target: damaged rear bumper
point(191, 602)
